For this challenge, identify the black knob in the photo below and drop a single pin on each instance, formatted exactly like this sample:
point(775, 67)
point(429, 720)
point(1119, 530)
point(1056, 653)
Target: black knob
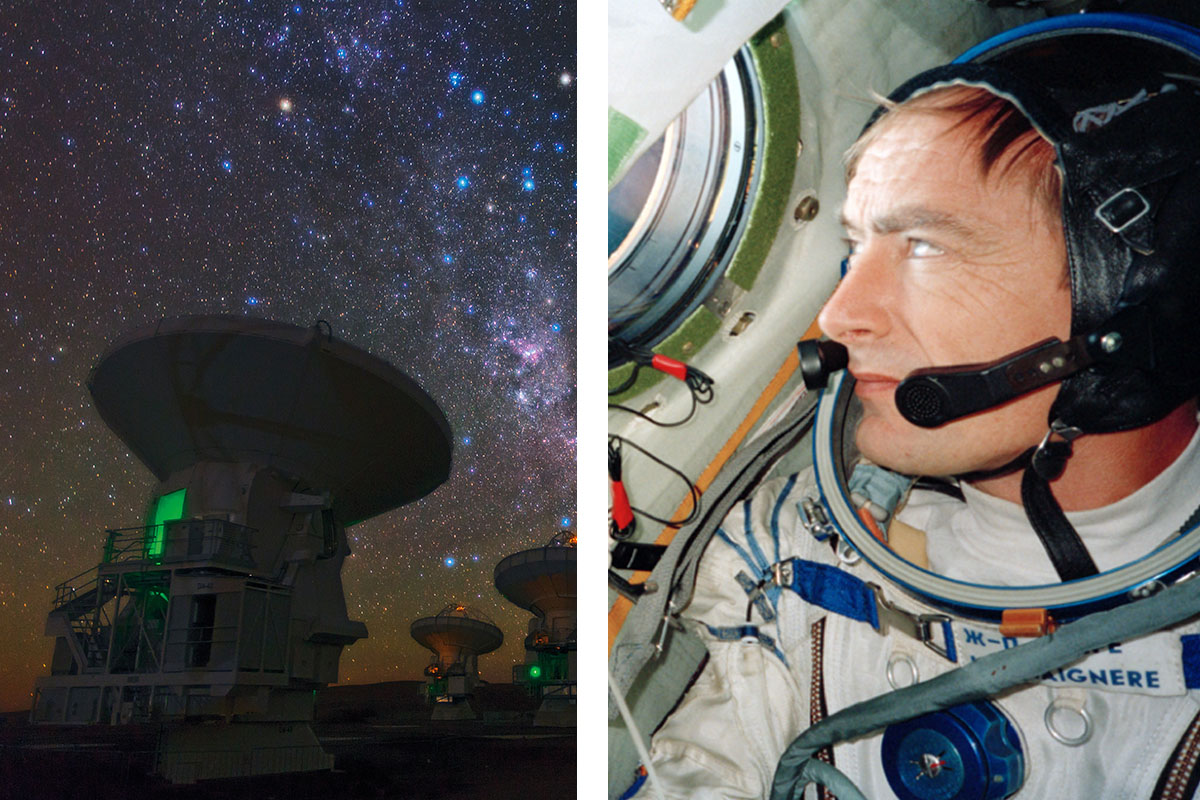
point(819, 359)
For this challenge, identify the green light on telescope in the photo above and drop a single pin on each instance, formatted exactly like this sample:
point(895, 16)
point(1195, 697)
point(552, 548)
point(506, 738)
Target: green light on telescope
point(168, 508)
point(535, 672)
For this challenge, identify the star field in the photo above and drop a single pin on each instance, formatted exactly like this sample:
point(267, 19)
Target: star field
point(401, 169)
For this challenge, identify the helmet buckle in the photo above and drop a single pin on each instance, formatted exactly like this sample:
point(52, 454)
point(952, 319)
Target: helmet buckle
point(1122, 209)
point(1050, 458)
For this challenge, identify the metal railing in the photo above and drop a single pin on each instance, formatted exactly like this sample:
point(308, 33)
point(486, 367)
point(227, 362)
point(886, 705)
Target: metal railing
point(79, 586)
point(182, 540)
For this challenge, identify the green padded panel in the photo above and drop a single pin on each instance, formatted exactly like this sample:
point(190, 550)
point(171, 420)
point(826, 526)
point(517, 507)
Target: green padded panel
point(623, 135)
point(776, 69)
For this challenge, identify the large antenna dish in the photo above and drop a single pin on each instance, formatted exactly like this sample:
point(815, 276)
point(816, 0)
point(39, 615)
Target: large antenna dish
point(456, 632)
point(541, 580)
point(239, 389)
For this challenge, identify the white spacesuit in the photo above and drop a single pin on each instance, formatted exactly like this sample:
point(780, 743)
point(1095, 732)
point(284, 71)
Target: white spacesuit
point(822, 591)
point(1131, 706)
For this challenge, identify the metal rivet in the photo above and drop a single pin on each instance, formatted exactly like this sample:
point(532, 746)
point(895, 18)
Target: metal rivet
point(806, 209)
point(1061, 707)
point(907, 675)
point(776, 39)
point(1147, 589)
point(1044, 366)
point(1058, 362)
point(1111, 342)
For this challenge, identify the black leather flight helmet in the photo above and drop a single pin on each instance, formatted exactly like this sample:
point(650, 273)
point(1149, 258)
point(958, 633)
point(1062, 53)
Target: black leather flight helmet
point(1118, 96)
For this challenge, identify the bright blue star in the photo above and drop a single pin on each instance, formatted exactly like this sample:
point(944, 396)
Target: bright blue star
point(527, 172)
point(251, 301)
point(558, 147)
point(473, 558)
point(447, 259)
point(477, 97)
point(527, 185)
point(466, 440)
point(449, 561)
point(296, 9)
point(227, 165)
point(341, 52)
point(566, 522)
point(463, 181)
point(556, 327)
point(455, 78)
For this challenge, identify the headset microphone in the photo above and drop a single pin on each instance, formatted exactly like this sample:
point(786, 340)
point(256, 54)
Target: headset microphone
point(936, 395)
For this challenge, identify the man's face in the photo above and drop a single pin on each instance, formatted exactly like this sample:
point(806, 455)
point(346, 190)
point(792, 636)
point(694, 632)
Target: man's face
point(949, 267)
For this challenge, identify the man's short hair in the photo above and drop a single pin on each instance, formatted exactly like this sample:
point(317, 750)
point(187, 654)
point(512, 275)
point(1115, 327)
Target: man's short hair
point(1007, 140)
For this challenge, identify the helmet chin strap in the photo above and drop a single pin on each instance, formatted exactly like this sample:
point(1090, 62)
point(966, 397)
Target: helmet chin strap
point(1043, 464)
point(1063, 545)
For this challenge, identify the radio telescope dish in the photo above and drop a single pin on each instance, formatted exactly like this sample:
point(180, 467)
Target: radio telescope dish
point(239, 389)
point(457, 632)
point(541, 580)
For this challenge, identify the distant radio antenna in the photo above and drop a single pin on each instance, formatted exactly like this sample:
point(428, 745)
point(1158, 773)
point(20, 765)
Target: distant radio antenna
point(542, 580)
point(458, 636)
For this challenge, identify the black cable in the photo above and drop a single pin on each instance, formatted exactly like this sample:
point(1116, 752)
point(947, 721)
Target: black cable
point(628, 382)
point(699, 385)
point(693, 492)
point(696, 401)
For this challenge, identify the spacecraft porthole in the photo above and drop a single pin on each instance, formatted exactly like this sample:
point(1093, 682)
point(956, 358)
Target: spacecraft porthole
point(676, 217)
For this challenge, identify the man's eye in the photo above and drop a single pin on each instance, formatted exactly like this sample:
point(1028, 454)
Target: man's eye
point(919, 248)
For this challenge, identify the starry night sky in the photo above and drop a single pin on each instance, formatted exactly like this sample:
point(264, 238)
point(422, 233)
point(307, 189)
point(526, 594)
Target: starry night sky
point(402, 169)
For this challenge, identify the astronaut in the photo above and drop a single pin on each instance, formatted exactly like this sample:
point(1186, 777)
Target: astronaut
point(1019, 318)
